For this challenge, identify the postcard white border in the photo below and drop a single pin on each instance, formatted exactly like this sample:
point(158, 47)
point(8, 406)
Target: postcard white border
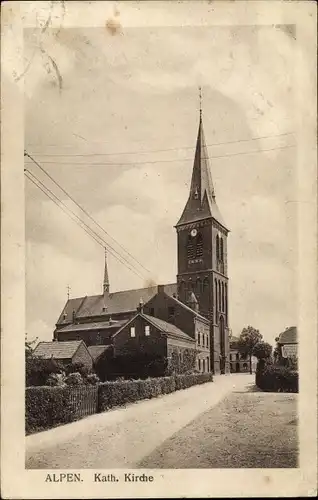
point(17, 482)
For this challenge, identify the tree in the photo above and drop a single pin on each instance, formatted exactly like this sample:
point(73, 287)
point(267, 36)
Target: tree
point(29, 346)
point(247, 341)
point(262, 350)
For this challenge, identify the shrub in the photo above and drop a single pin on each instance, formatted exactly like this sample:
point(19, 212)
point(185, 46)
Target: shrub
point(77, 368)
point(74, 379)
point(276, 378)
point(121, 392)
point(46, 407)
point(92, 379)
point(56, 379)
point(37, 370)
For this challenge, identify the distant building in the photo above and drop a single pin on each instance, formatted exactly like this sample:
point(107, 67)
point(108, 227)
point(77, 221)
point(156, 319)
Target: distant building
point(65, 352)
point(287, 343)
point(239, 362)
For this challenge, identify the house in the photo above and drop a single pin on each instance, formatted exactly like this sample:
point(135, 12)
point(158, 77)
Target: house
point(186, 318)
point(240, 363)
point(200, 296)
point(65, 352)
point(287, 343)
point(146, 345)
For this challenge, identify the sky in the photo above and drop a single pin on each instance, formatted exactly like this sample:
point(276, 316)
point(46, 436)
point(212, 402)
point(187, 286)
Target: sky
point(100, 106)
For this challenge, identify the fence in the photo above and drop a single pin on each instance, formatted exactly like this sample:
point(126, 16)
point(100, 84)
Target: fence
point(83, 401)
point(47, 407)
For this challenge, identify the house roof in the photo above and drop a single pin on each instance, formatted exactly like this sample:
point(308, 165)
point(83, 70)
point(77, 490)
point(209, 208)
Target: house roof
point(201, 203)
point(97, 325)
point(167, 328)
point(97, 350)
point(57, 350)
point(116, 302)
point(288, 336)
point(195, 313)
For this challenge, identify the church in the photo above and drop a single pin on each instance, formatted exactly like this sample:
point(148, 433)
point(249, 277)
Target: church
point(192, 313)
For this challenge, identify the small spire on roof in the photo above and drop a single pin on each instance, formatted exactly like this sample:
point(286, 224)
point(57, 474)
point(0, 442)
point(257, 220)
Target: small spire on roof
point(106, 278)
point(68, 292)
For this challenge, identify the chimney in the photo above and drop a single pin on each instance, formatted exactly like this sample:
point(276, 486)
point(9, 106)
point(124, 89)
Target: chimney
point(140, 307)
point(161, 288)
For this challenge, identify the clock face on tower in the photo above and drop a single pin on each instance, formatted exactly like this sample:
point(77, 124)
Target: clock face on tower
point(193, 233)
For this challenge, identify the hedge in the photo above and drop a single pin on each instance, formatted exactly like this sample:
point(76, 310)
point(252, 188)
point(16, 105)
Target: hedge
point(277, 378)
point(119, 393)
point(46, 407)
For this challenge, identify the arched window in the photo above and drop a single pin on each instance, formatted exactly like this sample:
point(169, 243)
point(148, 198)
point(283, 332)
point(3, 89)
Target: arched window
point(198, 286)
point(199, 246)
point(219, 285)
point(199, 338)
point(226, 303)
point(221, 249)
point(206, 285)
point(216, 295)
point(217, 248)
point(223, 297)
point(190, 248)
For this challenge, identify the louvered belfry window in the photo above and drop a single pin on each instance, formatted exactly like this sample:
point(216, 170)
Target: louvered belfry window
point(190, 248)
point(199, 246)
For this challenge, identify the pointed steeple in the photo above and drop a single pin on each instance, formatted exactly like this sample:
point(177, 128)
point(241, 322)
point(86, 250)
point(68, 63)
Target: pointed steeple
point(106, 278)
point(201, 203)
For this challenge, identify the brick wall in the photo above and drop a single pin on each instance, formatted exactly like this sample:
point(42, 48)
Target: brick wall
point(154, 344)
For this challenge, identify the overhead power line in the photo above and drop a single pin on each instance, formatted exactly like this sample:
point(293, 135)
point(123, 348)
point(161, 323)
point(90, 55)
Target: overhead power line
point(101, 164)
point(160, 150)
point(80, 222)
point(85, 212)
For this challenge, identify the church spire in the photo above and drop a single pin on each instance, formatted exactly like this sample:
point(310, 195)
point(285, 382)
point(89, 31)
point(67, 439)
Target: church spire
point(106, 278)
point(201, 203)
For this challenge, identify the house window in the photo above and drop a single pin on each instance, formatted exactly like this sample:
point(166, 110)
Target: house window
point(203, 365)
point(199, 365)
point(147, 330)
point(199, 338)
point(207, 340)
point(132, 331)
point(207, 364)
point(98, 338)
point(237, 356)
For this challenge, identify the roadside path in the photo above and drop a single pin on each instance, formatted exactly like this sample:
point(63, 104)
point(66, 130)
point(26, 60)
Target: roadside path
point(122, 437)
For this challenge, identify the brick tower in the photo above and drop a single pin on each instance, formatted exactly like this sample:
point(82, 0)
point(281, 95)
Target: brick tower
point(202, 255)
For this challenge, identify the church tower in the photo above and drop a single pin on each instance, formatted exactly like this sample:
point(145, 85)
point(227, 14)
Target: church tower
point(202, 255)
